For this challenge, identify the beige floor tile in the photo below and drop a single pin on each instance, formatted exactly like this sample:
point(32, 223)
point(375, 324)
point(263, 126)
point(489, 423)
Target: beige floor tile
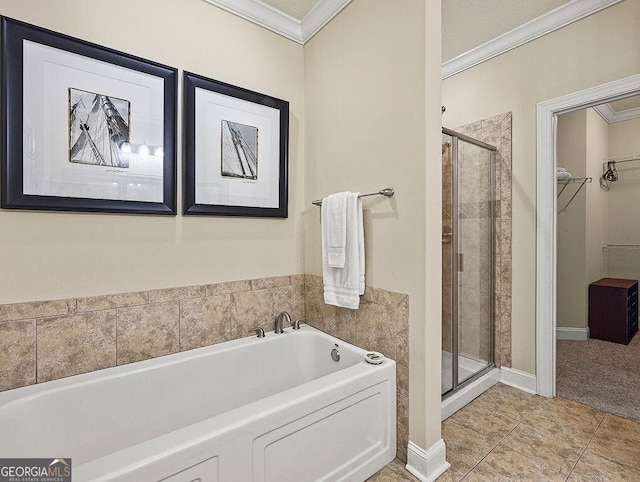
point(448, 476)
point(394, 472)
point(521, 402)
point(465, 447)
point(475, 477)
point(484, 416)
point(505, 464)
point(592, 468)
point(618, 439)
point(566, 419)
point(558, 452)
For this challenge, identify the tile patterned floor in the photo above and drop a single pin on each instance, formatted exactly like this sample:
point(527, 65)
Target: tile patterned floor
point(509, 435)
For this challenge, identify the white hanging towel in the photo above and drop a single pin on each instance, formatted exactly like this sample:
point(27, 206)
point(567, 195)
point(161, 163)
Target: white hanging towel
point(343, 286)
point(334, 222)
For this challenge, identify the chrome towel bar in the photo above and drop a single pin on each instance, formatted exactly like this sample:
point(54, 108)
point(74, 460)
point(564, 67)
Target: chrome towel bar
point(387, 191)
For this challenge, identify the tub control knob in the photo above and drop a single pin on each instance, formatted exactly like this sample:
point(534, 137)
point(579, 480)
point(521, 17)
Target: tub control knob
point(374, 358)
point(335, 354)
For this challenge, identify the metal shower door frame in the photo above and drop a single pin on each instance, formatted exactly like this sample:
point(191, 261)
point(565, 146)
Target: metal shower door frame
point(455, 261)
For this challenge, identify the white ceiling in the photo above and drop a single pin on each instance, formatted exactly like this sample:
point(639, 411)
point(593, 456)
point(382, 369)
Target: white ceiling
point(298, 20)
point(620, 110)
point(295, 8)
point(626, 104)
point(467, 24)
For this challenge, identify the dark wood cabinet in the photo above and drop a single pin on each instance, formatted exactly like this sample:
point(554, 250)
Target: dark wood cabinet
point(613, 309)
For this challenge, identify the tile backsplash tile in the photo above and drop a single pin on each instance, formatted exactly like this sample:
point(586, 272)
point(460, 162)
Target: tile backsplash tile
point(35, 309)
point(204, 321)
point(73, 344)
point(148, 331)
point(17, 353)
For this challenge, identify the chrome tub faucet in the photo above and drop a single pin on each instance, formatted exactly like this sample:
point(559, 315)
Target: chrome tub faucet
point(281, 319)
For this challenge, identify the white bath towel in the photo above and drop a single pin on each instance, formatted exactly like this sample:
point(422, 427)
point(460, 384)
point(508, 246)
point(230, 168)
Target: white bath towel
point(563, 175)
point(560, 169)
point(334, 224)
point(343, 286)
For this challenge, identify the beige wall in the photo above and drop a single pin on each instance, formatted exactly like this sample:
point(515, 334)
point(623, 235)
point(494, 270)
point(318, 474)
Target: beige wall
point(581, 55)
point(571, 246)
point(597, 208)
point(624, 194)
point(583, 141)
point(365, 80)
point(58, 255)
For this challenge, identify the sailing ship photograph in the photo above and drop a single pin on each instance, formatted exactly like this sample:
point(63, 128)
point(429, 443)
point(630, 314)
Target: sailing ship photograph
point(239, 157)
point(98, 129)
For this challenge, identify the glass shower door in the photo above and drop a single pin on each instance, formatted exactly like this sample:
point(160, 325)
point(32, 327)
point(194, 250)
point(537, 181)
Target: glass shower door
point(467, 258)
point(474, 260)
point(448, 380)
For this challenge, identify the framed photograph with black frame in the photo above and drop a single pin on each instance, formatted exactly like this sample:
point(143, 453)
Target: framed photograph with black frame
point(84, 127)
point(235, 150)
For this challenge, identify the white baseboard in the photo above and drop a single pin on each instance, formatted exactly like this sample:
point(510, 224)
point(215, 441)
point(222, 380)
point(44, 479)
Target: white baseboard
point(518, 379)
point(427, 465)
point(578, 334)
point(465, 395)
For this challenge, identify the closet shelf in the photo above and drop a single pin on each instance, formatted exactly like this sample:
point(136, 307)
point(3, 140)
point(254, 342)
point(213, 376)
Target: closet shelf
point(574, 180)
point(609, 171)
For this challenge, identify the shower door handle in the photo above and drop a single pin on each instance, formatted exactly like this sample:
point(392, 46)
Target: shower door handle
point(460, 262)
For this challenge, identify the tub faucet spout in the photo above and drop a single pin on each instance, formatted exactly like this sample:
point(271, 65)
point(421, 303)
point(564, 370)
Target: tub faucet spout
point(281, 319)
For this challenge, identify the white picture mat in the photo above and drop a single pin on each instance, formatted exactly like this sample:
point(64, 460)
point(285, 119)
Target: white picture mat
point(211, 187)
point(47, 75)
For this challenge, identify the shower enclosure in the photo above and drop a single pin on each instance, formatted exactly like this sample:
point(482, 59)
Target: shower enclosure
point(468, 238)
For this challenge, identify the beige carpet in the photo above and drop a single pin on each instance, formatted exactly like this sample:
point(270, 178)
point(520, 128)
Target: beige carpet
point(601, 374)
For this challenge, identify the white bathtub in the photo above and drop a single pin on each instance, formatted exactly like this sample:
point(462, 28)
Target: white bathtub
point(256, 409)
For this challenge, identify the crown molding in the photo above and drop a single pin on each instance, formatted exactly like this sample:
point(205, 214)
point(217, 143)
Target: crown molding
point(606, 112)
point(279, 22)
point(611, 116)
point(320, 15)
point(542, 25)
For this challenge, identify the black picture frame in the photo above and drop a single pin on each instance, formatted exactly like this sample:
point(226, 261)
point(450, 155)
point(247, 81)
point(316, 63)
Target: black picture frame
point(191, 82)
point(15, 36)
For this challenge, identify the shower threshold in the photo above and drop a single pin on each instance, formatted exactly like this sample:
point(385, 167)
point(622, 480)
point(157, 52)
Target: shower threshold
point(475, 375)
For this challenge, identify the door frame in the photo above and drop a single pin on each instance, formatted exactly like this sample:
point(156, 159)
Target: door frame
point(546, 225)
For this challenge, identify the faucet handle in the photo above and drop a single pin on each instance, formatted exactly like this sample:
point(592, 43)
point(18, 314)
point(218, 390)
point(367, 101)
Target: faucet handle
point(258, 331)
point(296, 324)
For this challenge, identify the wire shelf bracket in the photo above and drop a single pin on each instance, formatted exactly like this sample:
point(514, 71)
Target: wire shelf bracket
point(574, 180)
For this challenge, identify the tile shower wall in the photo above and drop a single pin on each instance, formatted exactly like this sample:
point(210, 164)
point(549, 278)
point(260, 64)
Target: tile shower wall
point(496, 131)
point(380, 324)
point(42, 341)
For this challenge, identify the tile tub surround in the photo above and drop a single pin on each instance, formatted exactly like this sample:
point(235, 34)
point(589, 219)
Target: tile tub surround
point(496, 131)
point(380, 324)
point(42, 341)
